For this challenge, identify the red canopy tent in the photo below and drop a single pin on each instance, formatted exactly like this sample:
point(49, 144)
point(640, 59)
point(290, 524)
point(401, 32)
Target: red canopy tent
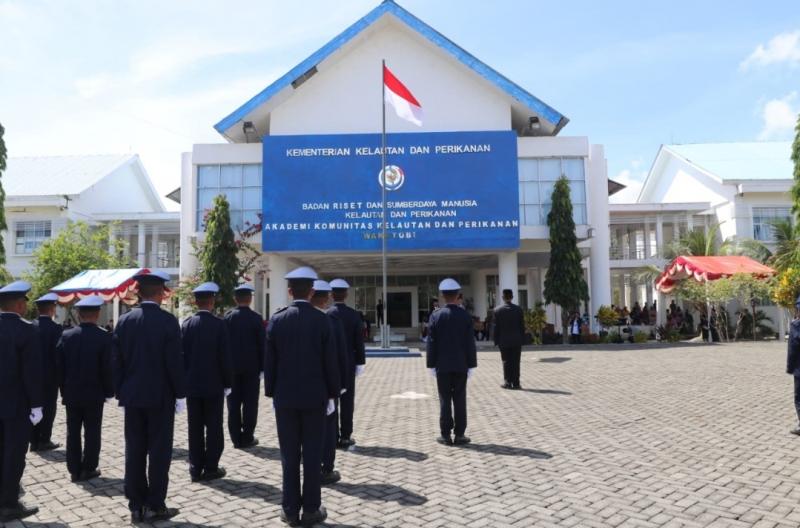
point(705, 269)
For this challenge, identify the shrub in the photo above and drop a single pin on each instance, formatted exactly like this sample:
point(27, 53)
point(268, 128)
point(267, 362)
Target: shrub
point(640, 337)
point(607, 316)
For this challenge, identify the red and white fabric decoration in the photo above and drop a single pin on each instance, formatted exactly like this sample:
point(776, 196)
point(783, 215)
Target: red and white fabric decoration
point(704, 269)
point(402, 100)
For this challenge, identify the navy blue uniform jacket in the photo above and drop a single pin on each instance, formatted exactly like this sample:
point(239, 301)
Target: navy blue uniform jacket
point(793, 355)
point(451, 340)
point(148, 367)
point(341, 344)
point(354, 339)
point(247, 335)
point(509, 325)
point(300, 367)
point(49, 334)
point(83, 357)
point(20, 367)
point(206, 355)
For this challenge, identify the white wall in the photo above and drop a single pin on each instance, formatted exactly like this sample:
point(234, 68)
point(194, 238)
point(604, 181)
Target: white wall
point(122, 191)
point(18, 264)
point(345, 96)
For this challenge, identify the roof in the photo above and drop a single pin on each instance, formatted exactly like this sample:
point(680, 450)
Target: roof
point(556, 119)
point(58, 175)
point(755, 160)
point(704, 269)
point(107, 283)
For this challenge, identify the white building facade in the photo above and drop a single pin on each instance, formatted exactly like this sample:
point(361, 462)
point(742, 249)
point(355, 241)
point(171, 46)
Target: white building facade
point(337, 93)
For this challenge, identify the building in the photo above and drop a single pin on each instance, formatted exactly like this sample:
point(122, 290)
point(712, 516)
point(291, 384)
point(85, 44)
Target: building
point(733, 189)
point(312, 140)
point(44, 193)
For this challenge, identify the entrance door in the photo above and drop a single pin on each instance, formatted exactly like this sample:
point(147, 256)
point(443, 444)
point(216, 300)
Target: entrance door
point(398, 314)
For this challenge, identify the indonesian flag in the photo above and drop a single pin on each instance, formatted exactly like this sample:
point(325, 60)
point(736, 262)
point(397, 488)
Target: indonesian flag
point(396, 94)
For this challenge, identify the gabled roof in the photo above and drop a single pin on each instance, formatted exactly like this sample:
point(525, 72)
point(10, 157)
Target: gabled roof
point(58, 175)
point(740, 161)
point(389, 7)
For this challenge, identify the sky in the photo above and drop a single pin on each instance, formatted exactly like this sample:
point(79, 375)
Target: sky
point(153, 77)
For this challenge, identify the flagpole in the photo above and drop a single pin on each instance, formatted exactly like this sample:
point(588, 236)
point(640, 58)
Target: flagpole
point(385, 341)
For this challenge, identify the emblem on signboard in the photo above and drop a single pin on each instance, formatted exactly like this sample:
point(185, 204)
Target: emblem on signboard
point(393, 177)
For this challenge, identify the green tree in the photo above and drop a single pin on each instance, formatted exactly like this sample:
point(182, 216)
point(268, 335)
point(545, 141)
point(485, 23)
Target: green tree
point(564, 284)
point(76, 248)
point(3, 225)
point(535, 322)
point(796, 185)
point(217, 255)
point(787, 246)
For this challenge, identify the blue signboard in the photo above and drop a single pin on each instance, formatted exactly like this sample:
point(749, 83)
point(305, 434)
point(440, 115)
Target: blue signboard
point(445, 190)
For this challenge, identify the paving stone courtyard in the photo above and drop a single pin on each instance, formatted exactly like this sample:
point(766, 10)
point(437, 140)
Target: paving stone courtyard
point(625, 437)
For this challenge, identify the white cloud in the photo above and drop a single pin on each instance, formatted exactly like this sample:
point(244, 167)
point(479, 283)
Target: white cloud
point(784, 47)
point(632, 180)
point(780, 117)
point(92, 86)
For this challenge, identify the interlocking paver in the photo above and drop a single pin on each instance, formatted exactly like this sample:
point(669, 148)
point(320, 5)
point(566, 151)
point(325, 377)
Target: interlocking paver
point(667, 437)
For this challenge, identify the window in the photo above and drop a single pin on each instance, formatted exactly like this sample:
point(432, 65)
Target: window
point(241, 185)
point(537, 178)
point(30, 235)
point(763, 217)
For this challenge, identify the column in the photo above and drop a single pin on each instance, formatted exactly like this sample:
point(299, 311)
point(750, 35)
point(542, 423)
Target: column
point(112, 238)
point(659, 236)
point(646, 238)
point(689, 222)
point(278, 289)
point(600, 261)
point(507, 273)
point(477, 279)
point(661, 316)
point(140, 251)
point(154, 248)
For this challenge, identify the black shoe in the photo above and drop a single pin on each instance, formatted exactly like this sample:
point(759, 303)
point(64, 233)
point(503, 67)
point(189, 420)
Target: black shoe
point(250, 443)
point(344, 443)
point(506, 385)
point(196, 477)
point(214, 473)
point(88, 475)
point(445, 440)
point(163, 514)
point(137, 515)
point(461, 440)
point(290, 519)
point(310, 519)
point(796, 431)
point(75, 477)
point(33, 447)
point(330, 477)
point(516, 386)
point(18, 511)
point(47, 446)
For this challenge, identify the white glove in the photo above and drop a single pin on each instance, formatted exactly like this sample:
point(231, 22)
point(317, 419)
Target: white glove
point(227, 392)
point(109, 400)
point(360, 369)
point(180, 405)
point(331, 408)
point(470, 373)
point(342, 391)
point(432, 372)
point(36, 415)
point(261, 375)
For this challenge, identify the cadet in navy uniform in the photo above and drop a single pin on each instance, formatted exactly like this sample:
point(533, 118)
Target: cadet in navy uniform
point(247, 335)
point(20, 395)
point(149, 383)
point(452, 359)
point(793, 361)
point(208, 380)
point(83, 356)
point(321, 300)
point(302, 378)
point(509, 334)
point(356, 359)
point(49, 334)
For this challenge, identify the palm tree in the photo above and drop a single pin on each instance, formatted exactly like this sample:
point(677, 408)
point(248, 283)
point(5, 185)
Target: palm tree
point(787, 245)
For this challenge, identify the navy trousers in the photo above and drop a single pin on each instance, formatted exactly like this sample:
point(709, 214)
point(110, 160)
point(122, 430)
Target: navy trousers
point(330, 438)
point(452, 400)
point(148, 454)
point(15, 433)
point(511, 358)
point(347, 403)
point(300, 433)
point(206, 438)
point(243, 408)
point(42, 431)
point(89, 420)
point(797, 397)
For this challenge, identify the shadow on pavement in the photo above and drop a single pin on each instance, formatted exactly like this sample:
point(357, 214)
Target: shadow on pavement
point(496, 449)
point(381, 492)
point(389, 452)
point(245, 489)
point(555, 360)
point(267, 453)
point(547, 391)
point(179, 452)
point(34, 524)
point(55, 455)
point(107, 486)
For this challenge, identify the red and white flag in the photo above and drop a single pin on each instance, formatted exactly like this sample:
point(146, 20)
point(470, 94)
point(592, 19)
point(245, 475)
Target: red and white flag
point(396, 94)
